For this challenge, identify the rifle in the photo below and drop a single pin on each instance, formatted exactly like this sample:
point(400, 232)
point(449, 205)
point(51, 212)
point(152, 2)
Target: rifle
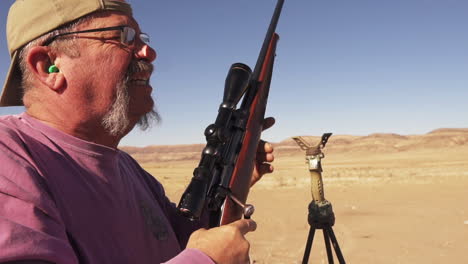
point(227, 161)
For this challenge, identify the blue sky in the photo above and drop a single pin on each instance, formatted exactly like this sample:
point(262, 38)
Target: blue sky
point(347, 67)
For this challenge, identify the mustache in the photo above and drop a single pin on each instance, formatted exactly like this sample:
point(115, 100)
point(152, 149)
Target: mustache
point(140, 66)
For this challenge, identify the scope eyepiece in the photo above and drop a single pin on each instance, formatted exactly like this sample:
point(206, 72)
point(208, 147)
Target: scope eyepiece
point(193, 200)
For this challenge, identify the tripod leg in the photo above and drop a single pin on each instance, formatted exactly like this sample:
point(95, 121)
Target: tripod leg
point(339, 255)
point(310, 239)
point(327, 245)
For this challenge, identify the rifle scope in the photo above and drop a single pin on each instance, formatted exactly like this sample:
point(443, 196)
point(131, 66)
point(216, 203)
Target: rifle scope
point(217, 136)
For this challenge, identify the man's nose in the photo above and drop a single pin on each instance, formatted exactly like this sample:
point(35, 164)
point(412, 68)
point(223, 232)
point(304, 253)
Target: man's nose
point(145, 52)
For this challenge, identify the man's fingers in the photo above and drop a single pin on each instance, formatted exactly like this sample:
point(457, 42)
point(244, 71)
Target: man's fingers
point(264, 168)
point(264, 147)
point(265, 158)
point(245, 225)
point(268, 122)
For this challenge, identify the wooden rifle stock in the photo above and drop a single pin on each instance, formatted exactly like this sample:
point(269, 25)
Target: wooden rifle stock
point(241, 177)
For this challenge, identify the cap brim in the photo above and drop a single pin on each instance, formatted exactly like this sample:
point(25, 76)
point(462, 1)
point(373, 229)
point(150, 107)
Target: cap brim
point(12, 93)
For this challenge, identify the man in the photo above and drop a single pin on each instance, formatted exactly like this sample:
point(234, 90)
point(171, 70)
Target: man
point(67, 194)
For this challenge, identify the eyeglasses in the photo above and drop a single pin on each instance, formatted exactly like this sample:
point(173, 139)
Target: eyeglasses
point(127, 35)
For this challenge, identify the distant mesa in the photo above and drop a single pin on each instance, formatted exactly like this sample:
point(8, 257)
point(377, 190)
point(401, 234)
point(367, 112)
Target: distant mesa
point(449, 130)
point(437, 140)
point(385, 136)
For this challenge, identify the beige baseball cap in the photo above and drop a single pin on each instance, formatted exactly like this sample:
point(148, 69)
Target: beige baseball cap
point(30, 19)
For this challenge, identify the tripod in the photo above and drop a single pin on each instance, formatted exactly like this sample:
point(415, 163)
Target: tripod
point(321, 215)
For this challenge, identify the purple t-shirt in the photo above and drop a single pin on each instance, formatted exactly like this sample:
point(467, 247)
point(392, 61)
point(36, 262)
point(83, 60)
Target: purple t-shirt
point(68, 201)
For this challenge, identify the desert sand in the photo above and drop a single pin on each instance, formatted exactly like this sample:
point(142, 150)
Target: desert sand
point(396, 198)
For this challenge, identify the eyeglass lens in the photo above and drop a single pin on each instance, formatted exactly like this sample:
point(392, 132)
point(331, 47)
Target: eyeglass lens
point(128, 36)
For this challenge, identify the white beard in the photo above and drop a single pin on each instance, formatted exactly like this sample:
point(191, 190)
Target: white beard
point(117, 121)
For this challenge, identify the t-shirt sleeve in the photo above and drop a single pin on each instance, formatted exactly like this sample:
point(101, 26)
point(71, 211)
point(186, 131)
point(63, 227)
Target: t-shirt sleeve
point(192, 256)
point(30, 225)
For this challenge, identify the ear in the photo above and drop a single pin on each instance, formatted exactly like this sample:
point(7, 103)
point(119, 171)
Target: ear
point(38, 62)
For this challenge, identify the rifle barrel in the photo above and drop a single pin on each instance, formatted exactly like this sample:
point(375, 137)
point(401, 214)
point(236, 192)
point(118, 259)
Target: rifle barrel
point(267, 40)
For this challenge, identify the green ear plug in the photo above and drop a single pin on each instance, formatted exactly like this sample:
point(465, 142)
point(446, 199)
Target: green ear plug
point(53, 68)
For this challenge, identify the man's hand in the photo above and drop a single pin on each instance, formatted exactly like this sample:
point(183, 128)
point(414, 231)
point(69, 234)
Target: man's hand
point(264, 155)
point(225, 244)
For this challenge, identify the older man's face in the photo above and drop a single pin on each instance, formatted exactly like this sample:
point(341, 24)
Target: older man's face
point(111, 79)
